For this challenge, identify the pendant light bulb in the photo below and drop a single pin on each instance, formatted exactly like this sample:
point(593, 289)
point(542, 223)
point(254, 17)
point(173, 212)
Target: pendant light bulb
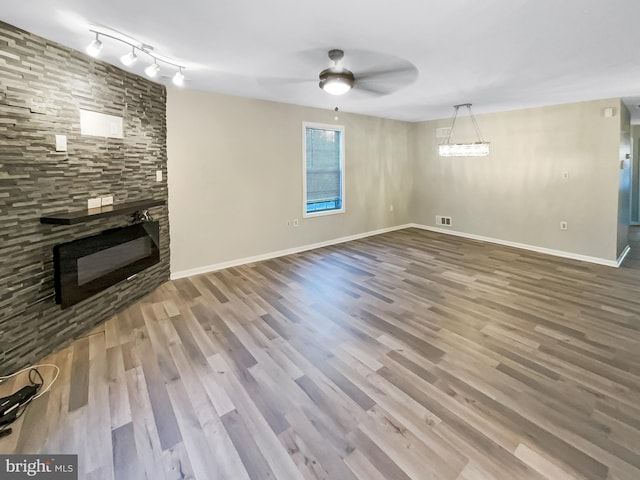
point(153, 69)
point(95, 47)
point(178, 78)
point(130, 58)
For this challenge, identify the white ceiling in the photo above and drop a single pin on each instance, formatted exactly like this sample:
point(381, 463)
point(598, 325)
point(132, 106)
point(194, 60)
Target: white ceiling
point(497, 54)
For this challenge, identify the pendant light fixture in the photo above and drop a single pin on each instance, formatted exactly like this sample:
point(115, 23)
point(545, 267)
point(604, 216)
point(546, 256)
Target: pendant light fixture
point(475, 149)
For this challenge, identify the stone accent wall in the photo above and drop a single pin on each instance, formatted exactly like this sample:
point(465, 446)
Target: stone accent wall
point(43, 86)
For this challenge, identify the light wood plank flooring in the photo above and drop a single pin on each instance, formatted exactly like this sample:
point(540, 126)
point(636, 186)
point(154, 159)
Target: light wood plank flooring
point(408, 355)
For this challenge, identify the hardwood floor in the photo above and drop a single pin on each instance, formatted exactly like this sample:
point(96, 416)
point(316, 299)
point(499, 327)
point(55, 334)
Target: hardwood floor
point(408, 355)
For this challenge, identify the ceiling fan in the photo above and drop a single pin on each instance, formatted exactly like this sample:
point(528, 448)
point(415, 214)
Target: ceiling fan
point(369, 73)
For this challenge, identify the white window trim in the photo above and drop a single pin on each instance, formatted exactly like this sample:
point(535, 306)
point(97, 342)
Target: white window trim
point(323, 126)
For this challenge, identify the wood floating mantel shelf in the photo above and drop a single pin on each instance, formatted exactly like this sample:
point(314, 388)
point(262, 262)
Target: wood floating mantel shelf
point(79, 216)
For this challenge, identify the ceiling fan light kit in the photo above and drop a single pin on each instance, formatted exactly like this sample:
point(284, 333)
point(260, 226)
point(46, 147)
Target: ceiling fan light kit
point(336, 83)
point(473, 149)
point(128, 59)
point(336, 80)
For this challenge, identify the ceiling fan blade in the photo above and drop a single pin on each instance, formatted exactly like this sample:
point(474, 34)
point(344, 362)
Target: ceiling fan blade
point(371, 91)
point(386, 81)
point(408, 72)
point(282, 81)
point(294, 67)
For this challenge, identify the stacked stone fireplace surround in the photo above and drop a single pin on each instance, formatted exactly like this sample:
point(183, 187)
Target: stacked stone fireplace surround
point(43, 87)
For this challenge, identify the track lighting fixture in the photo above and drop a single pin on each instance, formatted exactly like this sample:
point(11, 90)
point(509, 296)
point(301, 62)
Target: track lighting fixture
point(153, 69)
point(475, 149)
point(95, 47)
point(130, 58)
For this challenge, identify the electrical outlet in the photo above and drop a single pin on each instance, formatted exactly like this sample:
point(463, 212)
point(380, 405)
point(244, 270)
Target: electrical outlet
point(107, 200)
point(296, 223)
point(564, 225)
point(158, 175)
point(94, 203)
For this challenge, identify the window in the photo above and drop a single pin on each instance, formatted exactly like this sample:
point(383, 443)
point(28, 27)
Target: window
point(323, 169)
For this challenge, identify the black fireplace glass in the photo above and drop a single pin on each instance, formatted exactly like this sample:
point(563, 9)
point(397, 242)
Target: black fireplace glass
point(96, 265)
point(89, 265)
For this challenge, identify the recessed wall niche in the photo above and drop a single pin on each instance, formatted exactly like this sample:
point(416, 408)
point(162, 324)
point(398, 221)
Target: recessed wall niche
point(44, 88)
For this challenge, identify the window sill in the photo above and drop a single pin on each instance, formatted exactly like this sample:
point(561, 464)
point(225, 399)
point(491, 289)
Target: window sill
point(322, 214)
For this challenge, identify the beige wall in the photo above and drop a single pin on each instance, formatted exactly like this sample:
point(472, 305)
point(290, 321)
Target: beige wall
point(235, 177)
point(517, 194)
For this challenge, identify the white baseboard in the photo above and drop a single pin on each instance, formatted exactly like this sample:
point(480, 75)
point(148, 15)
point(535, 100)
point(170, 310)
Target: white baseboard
point(623, 255)
point(533, 248)
point(280, 253)
point(303, 248)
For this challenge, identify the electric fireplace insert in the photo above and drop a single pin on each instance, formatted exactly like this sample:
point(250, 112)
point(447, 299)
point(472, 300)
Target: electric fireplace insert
point(89, 265)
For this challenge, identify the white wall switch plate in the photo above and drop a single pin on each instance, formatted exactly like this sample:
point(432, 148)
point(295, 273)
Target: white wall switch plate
point(158, 175)
point(94, 203)
point(107, 200)
point(61, 143)
point(296, 223)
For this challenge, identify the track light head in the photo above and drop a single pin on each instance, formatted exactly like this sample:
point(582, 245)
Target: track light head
point(178, 78)
point(95, 47)
point(153, 69)
point(129, 58)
